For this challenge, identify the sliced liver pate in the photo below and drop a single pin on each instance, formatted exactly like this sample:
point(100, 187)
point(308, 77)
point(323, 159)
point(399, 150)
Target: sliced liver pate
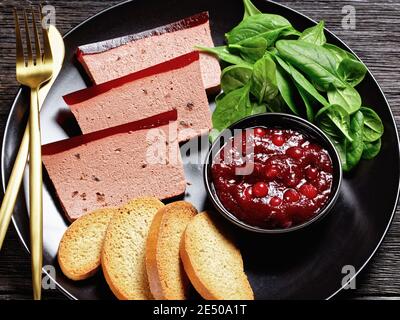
point(118, 57)
point(110, 167)
point(172, 84)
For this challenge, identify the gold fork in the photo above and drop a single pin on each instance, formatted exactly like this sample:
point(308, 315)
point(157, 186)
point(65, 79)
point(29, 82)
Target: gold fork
point(34, 72)
point(17, 173)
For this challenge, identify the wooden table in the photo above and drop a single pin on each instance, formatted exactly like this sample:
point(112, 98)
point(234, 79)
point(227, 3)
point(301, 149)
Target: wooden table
point(376, 40)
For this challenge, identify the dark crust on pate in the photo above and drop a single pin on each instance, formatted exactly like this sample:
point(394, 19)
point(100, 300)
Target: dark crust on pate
point(102, 46)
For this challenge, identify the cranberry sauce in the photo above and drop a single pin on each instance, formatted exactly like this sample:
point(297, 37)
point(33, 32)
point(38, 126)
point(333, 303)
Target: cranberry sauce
point(289, 180)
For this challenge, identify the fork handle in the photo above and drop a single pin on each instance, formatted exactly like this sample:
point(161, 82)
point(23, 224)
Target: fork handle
point(35, 195)
point(13, 186)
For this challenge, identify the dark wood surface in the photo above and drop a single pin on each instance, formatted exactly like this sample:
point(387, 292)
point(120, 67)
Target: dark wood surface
point(376, 40)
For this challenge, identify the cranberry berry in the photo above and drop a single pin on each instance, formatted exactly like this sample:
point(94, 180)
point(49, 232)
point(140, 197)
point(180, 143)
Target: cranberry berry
point(271, 172)
point(309, 191)
point(259, 132)
point(312, 173)
point(278, 140)
point(275, 201)
point(260, 189)
point(291, 195)
point(295, 152)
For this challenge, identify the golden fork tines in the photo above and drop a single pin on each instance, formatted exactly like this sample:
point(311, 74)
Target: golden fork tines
point(33, 71)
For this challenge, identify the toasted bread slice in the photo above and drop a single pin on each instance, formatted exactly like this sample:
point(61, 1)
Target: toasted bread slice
point(167, 278)
point(123, 254)
point(80, 247)
point(212, 262)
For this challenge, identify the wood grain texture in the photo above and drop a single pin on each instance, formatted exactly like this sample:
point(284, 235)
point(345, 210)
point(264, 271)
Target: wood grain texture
point(376, 40)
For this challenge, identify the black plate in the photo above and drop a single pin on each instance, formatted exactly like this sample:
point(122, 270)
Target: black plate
point(304, 266)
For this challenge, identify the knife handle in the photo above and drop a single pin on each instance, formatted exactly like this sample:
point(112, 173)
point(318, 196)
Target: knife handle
point(13, 186)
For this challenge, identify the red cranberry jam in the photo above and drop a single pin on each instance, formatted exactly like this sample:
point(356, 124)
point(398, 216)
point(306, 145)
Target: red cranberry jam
point(289, 177)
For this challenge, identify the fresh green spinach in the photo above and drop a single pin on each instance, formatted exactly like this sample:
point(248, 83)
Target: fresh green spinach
point(231, 107)
point(345, 133)
point(259, 25)
point(250, 50)
point(317, 62)
point(352, 71)
point(354, 149)
point(339, 53)
point(371, 149)
point(278, 105)
point(235, 77)
point(302, 81)
point(307, 100)
point(286, 90)
point(223, 54)
point(373, 126)
point(290, 33)
point(274, 68)
point(348, 98)
point(314, 34)
point(334, 121)
point(250, 9)
point(257, 108)
point(263, 82)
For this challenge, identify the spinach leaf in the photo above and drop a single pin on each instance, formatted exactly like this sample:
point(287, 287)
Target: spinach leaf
point(315, 61)
point(277, 105)
point(348, 142)
point(354, 149)
point(259, 25)
point(286, 91)
point(223, 53)
point(307, 102)
point(348, 98)
point(339, 52)
point(254, 48)
point(352, 71)
point(318, 87)
point(302, 81)
point(250, 9)
point(231, 107)
point(250, 50)
point(289, 32)
point(264, 83)
point(271, 52)
point(371, 149)
point(235, 77)
point(335, 122)
point(373, 126)
point(258, 108)
point(314, 34)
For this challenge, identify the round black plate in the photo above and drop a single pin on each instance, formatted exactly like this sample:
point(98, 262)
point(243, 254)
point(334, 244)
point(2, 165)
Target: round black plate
point(302, 266)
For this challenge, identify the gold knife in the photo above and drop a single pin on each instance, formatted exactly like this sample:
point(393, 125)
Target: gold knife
point(14, 183)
